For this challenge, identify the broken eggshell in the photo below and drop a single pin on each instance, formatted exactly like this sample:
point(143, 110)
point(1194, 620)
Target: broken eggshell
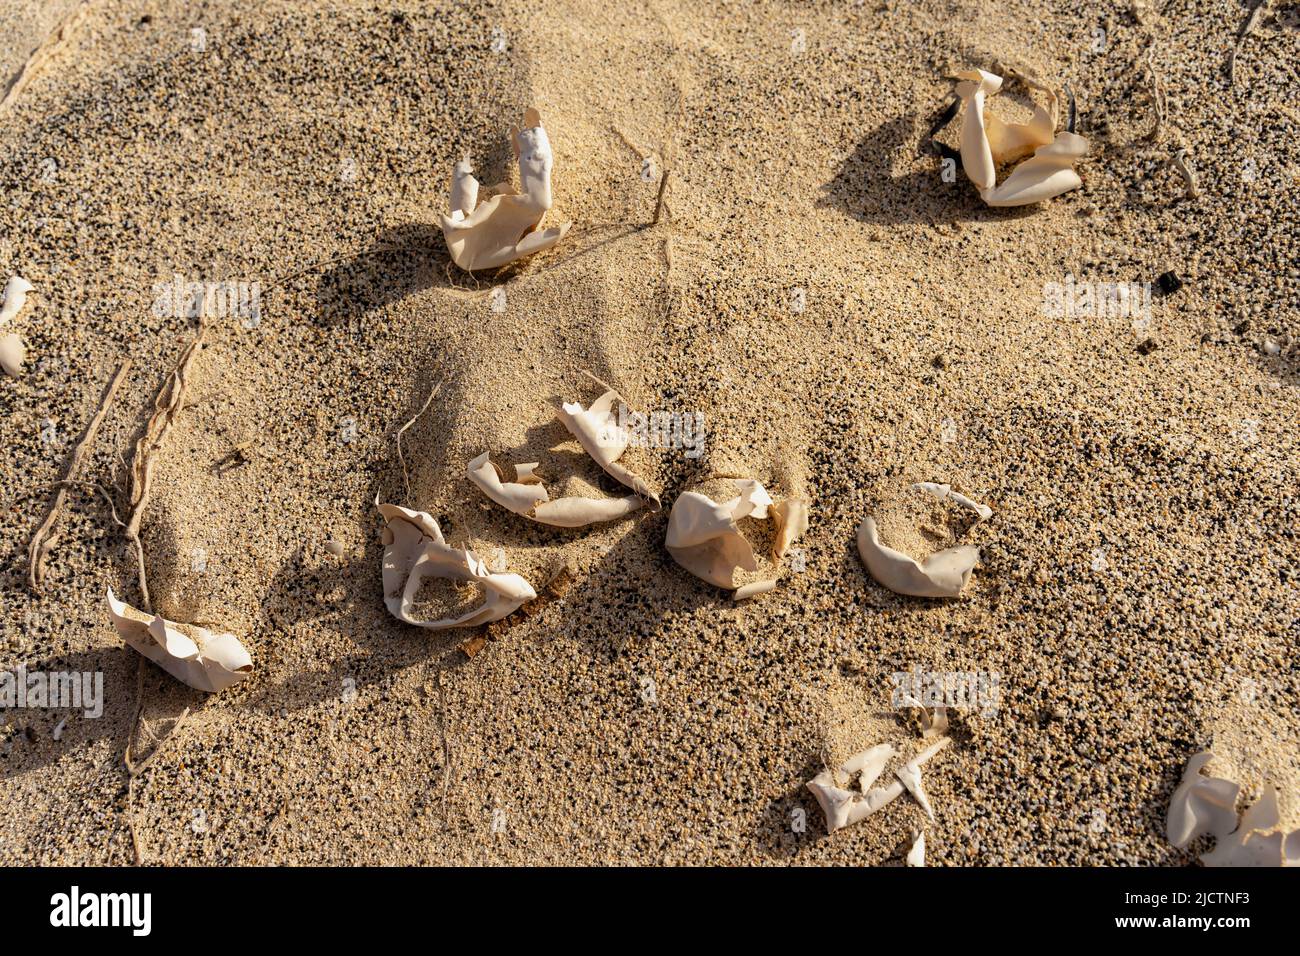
point(15, 297)
point(1048, 173)
point(504, 227)
point(842, 806)
point(414, 549)
point(1201, 804)
point(987, 142)
point(600, 435)
point(13, 352)
point(941, 575)
point(527, 496)
point(791, 517)
point(193, 655)
point(703, 538)
point(945, 493)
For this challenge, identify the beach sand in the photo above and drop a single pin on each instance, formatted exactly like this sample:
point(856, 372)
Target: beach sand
point(847, 321)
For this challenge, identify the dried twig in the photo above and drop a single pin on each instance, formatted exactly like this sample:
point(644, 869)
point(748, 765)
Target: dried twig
point(1249, 24)
point(1157, 98)
point(167, 407)
point(1184, 165)
point(659, 200)
point(606, 386)
point(46, 51)
point(424, 408)
point(45, 539)
point(631, 144)
point(134, 768)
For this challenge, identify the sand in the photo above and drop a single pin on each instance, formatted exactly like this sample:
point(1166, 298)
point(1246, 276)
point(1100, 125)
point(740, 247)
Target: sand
point(1137, 594)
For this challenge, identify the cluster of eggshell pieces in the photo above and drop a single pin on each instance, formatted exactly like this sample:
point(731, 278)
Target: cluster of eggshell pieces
point(988, 143)
point(1202, 805)
point(703, 536)
point(844, 803)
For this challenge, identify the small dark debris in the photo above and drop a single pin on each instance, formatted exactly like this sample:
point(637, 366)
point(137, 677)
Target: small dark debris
point(939, 361)
point(1147, 346)
point(1241, 328)
point(146, 20)
point(1169, 283)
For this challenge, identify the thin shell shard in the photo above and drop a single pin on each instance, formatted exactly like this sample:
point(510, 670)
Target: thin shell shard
point(1048, 173)
point(703, 538)
point(1201, 804)
point(791, 517)
point(945, 493)
point(941, 575)
point(976, 153)
point(911, 779)
point(15, 297)
point(843, 807)
point(414, 549)
point(527, 496)
point(193, 655)
point(13, 353)
point(506, 226)
point(910, 775)
point(916, 855)
point(600, 435)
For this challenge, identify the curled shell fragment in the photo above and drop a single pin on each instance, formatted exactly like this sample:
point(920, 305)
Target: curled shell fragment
point(941, 575)
point(506, 226)
point(414, 549)
point(192, 654)
point(988, 142)
point(598, 431)
point(527, 496)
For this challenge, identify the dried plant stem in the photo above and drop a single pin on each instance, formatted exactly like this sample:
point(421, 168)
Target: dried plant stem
point(607, 387)
point(1157, 99)
point(402, 460)
point(167, 407)
point(1184, 166)
point(631, 144)
point(659, 200)
point(134, 768)
point(44, 539)
point(46, 51)
point(1248, 25)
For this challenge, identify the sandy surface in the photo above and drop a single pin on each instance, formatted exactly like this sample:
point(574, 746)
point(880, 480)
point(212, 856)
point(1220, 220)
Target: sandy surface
point(1137, 596)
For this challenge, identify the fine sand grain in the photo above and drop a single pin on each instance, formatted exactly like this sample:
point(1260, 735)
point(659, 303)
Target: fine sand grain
point(848, 322)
